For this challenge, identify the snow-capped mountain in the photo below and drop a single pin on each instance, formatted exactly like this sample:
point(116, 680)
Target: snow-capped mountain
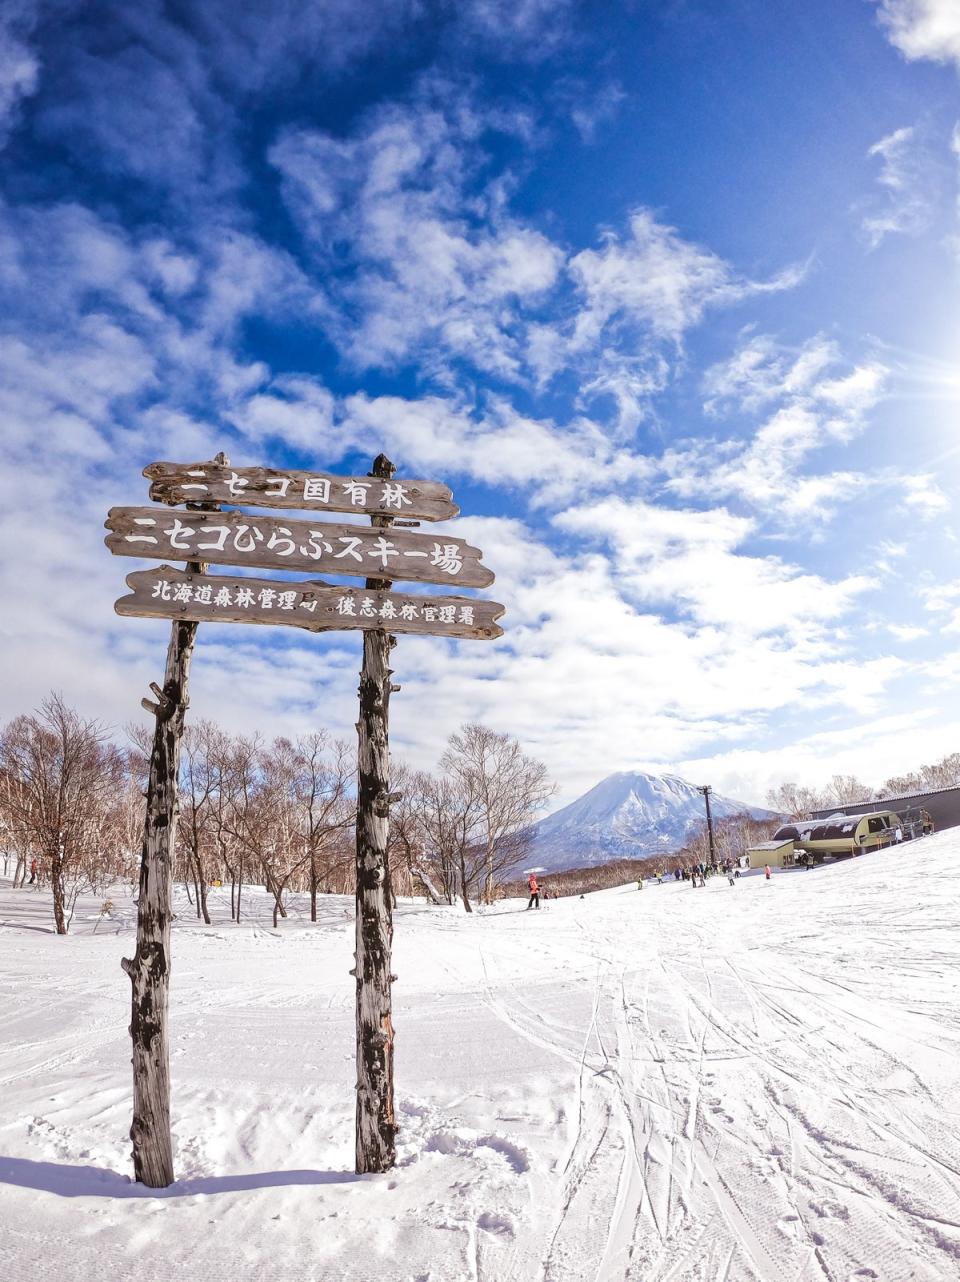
point(630, 815)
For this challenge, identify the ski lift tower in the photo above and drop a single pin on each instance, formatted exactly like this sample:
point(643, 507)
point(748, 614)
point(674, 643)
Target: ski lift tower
point(706, 790)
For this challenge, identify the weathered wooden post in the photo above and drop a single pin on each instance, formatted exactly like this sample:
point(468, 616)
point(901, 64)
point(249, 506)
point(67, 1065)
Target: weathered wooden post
point(149, 970)
point(376, 1123)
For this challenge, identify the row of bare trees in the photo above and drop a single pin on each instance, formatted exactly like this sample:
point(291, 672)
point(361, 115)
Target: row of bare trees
point(278, 814)
point(797, 801)
point(462, 830)
point(944, 773)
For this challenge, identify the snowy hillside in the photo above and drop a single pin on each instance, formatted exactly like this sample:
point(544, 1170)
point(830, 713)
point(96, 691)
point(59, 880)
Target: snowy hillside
point(744, 1083)
point(628, 815)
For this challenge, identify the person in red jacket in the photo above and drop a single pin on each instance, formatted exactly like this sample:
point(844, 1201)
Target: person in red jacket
point(534, 892)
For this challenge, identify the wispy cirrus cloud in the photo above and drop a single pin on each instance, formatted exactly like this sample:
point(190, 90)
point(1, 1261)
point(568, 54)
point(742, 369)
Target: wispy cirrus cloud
point(413, 236)
point(658, 280)
point(414, 239)
point(188, 81)
point(19, 64)
point(908, 186)
point(813, 399)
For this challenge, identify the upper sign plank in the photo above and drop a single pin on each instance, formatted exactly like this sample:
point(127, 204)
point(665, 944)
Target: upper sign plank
point(309, 491)
point(235, 538)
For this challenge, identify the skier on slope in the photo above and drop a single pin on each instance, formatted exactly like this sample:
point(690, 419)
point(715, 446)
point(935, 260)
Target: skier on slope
point(766, 871)
point(534, 892)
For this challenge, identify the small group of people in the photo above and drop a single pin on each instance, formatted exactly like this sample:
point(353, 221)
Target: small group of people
point(698, 873)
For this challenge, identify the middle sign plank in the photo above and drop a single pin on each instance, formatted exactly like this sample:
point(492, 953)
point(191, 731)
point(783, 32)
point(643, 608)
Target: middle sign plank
point(236, 538)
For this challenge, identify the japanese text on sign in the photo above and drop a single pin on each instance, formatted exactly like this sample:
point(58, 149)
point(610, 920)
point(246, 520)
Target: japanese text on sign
point(279, 598)
point(178, 535)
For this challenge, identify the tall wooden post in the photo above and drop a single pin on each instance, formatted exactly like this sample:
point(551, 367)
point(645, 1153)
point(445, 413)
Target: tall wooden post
point(376, 1124)
point(149, 970)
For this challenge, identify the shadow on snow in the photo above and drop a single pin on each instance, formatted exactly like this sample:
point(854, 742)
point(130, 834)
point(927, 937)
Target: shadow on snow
point(96, 1181)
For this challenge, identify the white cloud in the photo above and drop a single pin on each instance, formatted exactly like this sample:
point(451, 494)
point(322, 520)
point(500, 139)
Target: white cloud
point(589, 111)
point(906, 182)
point(441, 263)
point(762, 371)
point(872, 749)
point(906, 632)
point(631, 382)
point(164, 99)
point(922, 495)
point(594, 675)
point(531, 29)
point(19, 66)
point(657, 280)
point(421, 259)
point(690, 560)
point(534, 459)
point(823, 402)
point(923, 28)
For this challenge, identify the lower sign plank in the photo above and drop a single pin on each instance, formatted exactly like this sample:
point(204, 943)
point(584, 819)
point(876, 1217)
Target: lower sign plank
point(166, 593)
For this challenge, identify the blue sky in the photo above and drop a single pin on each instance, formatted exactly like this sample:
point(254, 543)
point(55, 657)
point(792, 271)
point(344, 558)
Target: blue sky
point(667, 292)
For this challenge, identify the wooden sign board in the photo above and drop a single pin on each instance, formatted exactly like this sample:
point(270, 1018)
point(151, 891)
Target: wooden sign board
point(236, 538)
point(166, 593)
point(309, 491)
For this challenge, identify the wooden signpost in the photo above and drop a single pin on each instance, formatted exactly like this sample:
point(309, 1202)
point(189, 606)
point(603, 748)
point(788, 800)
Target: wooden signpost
point(202, 533)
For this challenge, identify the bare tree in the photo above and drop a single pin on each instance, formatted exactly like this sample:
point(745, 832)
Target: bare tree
point(509, 789)
point(450, 810)
point(69, 776)
point(409, 874)
point(848, 790)
point(795, 801)
point(322, 771)
point(202, 762)
point(256, 814)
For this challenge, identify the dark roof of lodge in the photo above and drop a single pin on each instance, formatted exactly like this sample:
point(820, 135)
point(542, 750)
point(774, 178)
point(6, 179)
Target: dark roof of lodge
point(832, 827)
point(884, 803)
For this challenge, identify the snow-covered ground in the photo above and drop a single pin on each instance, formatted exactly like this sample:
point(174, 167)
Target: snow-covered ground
point(756, 1082)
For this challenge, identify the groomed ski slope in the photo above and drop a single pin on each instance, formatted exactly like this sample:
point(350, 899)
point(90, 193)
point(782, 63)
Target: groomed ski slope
point(720, 1084)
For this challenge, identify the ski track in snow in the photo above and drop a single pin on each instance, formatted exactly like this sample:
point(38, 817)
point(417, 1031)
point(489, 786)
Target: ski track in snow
point(757, 1083)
